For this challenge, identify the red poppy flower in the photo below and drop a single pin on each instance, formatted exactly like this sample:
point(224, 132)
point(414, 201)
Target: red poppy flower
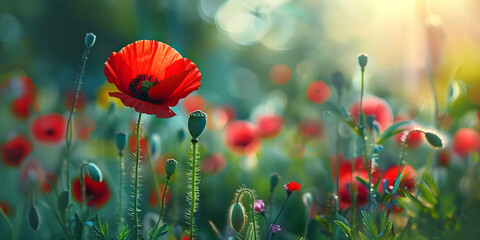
point(318, 92)
point(213, 164)
point(407, 183)
point(192, 103)
point(243, 137)
point(310, 128)
point(16, 150)
point(49, 128)
point(345, 190)
point(22, 107)
point(415, 139)
point(374, 106)
point(153, 198)
point(151, 77)
point(292, 186)
point(465, 141)
point(270, 125)
point(97, 192)
point(6, 208)
point(280, 74)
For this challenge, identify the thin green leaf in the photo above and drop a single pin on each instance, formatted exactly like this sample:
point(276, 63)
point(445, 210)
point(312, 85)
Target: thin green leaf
point(345, 228)
point(427, 194)
point(428, 179)
point(391, 130)
point(63, 202)
point(363, 181)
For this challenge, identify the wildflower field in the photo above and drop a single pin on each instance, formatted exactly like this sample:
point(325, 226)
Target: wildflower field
point(240, 119)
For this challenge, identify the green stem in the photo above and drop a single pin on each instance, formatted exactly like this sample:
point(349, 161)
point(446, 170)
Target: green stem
point(364, 141)
point(163, 198)
point(305, 231)
point(194, 173)
point(120, 193)
point(9, 224)
point(281, 210)
point(59, 218)
point(429, 160)
point(68, 135)
point(136, 190)
point(253, 208)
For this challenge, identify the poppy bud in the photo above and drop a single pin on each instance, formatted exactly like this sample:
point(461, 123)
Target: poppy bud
point(121, 140)
point(94, 172)
point(181, 134)
point(33, 218)
point(196, 123)
point(237, 217)
point(434, 139)
point(338, 80)
point(170, 167)
point(90, 40)
point(307, 199)
point(274, 178)
point(362, 60)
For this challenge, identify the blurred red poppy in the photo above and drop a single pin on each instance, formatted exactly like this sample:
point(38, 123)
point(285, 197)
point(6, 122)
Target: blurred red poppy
point(214, 163)
point(345, 189)
point(15, 150)
point(243, 137)
point(408, 182)
point(192, 103)
point(270, 125)
point(153, 198)
point(318, 92)
point(98, 193)
point(346, 167)
point(415, 139)
point(151, 77)
point(280, 74)
point(465, 141)
point(24, 102)
point(374, 106)
point(310, 128)
point(220, 117)
point(444, 158)
point(5, 207)
point(49, 128)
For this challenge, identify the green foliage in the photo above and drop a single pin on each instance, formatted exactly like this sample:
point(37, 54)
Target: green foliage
point(157, 232)
point(370, 232)
point(100, 228)
point(391, 131)
point(33, 218)
point(123, 233)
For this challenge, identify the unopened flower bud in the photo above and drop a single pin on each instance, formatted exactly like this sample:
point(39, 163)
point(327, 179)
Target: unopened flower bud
point(307, 199)
point(94, 172)
point(177, 232)
point(196, 123)
point(170, 167)
point(155, 146)
point(237, 217)
point(434, 139)
point(121, 140)
point(274, 178)
point(362, 60)
point(90, 40)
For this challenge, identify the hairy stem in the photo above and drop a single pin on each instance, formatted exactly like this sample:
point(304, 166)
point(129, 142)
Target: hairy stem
point(68, 135)
point(163, 198)
point(136, 190)
point(253, 208)
point(121, 220)
point(193, 200)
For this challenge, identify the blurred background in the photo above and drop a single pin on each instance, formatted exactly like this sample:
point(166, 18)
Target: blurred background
point(256, 57)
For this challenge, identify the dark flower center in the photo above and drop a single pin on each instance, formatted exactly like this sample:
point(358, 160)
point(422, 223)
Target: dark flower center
point(140, 85)
point(14, 154)
point(50, 132)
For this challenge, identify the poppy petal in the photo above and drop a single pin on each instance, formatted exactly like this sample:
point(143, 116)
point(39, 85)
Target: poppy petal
point(161, 111)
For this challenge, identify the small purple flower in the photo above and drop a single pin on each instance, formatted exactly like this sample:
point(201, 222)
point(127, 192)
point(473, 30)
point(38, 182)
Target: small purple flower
point(275, 228)
point(259, 206)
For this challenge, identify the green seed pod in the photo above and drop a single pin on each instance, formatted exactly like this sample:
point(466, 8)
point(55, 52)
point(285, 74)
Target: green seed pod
point(33, 218)
point(362, 60)
point(170, 167)
point(121, 140)
point(237, 217)
point(196, 123)
point(90, 40)
point(434, 139)
point(94, 172)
